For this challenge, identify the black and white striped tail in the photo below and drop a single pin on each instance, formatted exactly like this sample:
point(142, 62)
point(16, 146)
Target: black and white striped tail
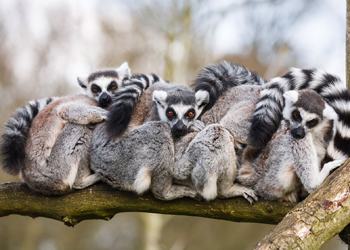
point(218, 78)
point(268, 112)
point(15, 133)
point(124, 103)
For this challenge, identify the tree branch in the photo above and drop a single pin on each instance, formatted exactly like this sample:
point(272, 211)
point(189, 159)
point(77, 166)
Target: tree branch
point(103, 202)
point(317, 219)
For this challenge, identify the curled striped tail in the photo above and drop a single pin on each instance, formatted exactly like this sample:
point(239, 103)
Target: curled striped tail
point(15, 134)
point(268, 112)
point(218, 78)
point(123, 105)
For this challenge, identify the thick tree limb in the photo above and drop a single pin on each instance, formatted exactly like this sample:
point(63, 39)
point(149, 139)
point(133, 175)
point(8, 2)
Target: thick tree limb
point(313, 222)
point(103, 202)
point(308, 225)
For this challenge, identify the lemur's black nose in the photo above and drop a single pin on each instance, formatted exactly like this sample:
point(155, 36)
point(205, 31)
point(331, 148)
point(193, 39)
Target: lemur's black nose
point(179, 129)
point(105, 96)
point(298, 133)
point(104, 99)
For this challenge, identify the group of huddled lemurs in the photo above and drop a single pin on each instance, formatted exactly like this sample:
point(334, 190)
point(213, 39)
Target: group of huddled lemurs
point(234, 135)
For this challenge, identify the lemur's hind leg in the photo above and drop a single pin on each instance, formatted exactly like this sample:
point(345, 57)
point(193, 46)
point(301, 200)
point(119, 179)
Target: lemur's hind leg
point(71, 154)
point(164, 189)
point(215, 168)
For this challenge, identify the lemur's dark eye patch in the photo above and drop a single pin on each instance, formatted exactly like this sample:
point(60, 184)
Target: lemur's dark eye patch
point(95, 88)
point(113, 85)
point(296, 115)
point(191, 113)
point(312, 123)
point(170, 113)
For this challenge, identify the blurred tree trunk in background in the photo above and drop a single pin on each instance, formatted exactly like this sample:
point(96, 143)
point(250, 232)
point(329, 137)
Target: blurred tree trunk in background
point(348, 43)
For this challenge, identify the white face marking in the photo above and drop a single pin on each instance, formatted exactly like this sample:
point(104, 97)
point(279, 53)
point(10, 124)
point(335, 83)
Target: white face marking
point(181, 109)
point(103, 82)
point(291, 95)
point(306, 116)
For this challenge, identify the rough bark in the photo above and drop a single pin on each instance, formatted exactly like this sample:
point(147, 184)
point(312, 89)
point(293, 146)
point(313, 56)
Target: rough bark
point(322, 215)
point(103, 202)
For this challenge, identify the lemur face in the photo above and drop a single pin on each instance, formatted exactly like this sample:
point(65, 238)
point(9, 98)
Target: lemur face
point(102, 85)
point(306, 111)
point(179, 106)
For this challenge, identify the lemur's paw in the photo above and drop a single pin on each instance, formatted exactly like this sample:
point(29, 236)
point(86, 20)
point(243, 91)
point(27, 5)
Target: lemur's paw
point(250, 196)
point(198, 197)
point(99, 115)
point(197, 126)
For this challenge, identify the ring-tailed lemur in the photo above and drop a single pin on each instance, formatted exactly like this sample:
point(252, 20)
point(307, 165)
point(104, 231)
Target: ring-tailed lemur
point(292, 161)
point(102, 85)
point(175, 104)
point(136, 153)
point(56, 157)
point(256, 127)
point(267, 115)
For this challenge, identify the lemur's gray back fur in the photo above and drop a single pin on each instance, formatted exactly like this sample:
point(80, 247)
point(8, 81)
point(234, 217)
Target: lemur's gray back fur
point(218, 78)
point(15, 134)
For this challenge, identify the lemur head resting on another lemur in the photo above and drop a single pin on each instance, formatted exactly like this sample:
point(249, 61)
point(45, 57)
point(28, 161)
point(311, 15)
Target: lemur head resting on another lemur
point(102, 85)
point(180, 106)
point(306, 112)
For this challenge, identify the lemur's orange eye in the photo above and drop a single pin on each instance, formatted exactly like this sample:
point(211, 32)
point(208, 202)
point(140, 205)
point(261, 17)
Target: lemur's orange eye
point(190, 114)
point(94, 90)
point(295, 116)
point(312, 123)
point(170, 113)
point(114, 87)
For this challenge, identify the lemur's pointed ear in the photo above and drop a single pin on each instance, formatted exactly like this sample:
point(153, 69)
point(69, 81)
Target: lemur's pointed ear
point(124, 71)
point(202, 98)
point(159, 96)
point(291, 96)
point(83, 81)
point(330, 113)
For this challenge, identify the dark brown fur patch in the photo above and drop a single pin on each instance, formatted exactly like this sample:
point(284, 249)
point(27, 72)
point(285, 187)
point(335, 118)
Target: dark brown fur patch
point(311, 102)
point(98, 74)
